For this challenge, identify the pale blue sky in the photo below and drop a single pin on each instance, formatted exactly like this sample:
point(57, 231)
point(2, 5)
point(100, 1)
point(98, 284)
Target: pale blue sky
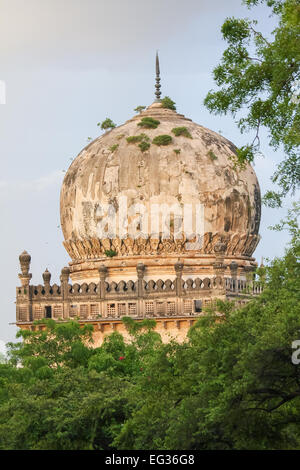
point(69, 64)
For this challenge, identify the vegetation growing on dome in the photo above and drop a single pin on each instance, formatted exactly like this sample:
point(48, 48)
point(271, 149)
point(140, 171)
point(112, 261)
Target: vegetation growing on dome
point(212, 155)
point(166, 102)
point(106, 124)
point(143, 140)
point(162, 140)
point(181, 131)
point(144, 146)
point(133, 139)
point(113, 147)
point(139, 109)
point(149, 122)
point(177, 151)
point(110, 253)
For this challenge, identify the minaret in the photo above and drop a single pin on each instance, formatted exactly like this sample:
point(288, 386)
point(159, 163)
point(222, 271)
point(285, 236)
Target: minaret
point(157, 85)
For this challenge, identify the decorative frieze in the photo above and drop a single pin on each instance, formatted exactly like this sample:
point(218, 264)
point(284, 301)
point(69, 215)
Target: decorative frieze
point(236, 244)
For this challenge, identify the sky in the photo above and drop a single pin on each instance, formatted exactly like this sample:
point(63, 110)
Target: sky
point(68, 64)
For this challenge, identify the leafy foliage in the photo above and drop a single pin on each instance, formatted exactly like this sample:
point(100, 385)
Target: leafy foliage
point(113, 147)
point(106, 124)
point(110, 253)
point(58, 343)
point(149, 123)
point(133, 139)
point(212, 155)
point(166, 102)
point(163, 139)
point(143, 140)
point(181, 131)
point(259, 75)
point(144, 146)
point(2, 358)
point(139, 109)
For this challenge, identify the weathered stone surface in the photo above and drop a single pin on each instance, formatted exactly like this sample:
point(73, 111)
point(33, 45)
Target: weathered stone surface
point(202, 172)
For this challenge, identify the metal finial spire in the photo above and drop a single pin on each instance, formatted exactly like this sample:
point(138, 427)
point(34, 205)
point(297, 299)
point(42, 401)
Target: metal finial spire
point(157, 84)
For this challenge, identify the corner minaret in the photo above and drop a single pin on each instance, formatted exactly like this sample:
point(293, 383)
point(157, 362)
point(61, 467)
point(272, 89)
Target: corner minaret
point(157, 84)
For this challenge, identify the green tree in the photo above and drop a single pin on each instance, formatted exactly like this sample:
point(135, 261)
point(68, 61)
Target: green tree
point(76, 397)
point(52, 343)
point(57, 397)
point(106, 124)
point(258, 76)
point(69, 409)
point(166, 102)
point(139, 109)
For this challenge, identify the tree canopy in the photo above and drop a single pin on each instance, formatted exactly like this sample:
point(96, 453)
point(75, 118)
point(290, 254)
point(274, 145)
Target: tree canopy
point(259, 84)
point(106, 124)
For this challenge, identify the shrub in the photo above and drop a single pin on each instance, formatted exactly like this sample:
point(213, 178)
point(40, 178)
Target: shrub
point(139, 109)
point(181, 131)
point(133, 139)
point(110, 253)
point(162, 140)
point(177, 151)
point(113, 147)
point(144, 146)
point(212, 155)
point(106, 124)
point(149, 122)
point(166, 102)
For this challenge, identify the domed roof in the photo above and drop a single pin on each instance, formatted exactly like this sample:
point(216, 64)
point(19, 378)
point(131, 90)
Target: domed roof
point(195, 166)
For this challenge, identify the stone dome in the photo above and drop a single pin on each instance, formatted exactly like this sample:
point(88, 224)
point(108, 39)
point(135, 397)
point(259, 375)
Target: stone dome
point(194, 168)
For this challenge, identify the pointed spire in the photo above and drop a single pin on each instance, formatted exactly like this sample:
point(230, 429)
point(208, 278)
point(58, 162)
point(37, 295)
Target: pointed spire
point(157, 85)
point(46, 277)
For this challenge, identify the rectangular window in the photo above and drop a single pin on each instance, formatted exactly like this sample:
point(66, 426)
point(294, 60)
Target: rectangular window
point(121, 309)
point(38, 312)
point(132, 309)
point(160, 308)
point(94, 310)
point(187, 306)
point(23, 313)
point(171, 308)
point(149, 308)
point(84, 310)
point(48, 311)
point(73, 311)
point(198, 306)
point(57, 311)
point(111, 310)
